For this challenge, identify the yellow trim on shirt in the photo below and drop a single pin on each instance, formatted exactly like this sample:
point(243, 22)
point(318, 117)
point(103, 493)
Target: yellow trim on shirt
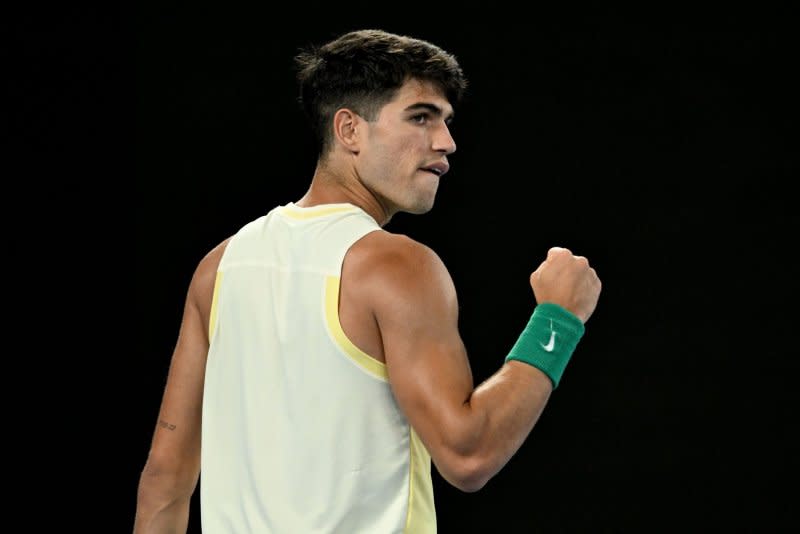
point(295, 212)
point(212, 315)
point(361, 358)
point(421, 516)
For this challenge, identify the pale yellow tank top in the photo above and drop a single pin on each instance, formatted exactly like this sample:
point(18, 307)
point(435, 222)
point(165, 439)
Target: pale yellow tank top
point(301, 433)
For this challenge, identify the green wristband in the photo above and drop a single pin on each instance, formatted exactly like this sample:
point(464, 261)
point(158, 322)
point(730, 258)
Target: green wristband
point(548, 340)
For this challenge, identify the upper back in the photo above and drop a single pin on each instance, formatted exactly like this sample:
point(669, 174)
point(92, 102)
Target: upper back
point(284, 381)
point(289, 236)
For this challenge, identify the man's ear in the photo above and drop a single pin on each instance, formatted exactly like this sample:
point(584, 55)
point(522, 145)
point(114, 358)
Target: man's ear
point(347, 126)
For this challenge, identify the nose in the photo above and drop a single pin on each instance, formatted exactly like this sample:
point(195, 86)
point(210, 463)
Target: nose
point(443, 141)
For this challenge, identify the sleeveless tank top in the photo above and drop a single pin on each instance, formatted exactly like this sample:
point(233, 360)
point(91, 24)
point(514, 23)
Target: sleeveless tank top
point(300, 430)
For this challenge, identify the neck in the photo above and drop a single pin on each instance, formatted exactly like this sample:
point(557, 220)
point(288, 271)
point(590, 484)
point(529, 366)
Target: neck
point(331, 187)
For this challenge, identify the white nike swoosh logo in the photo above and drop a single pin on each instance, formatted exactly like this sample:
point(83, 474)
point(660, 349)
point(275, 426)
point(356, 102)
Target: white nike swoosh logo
point(552, 343)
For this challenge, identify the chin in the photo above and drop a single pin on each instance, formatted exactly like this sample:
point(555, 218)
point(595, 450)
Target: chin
point(421, 207)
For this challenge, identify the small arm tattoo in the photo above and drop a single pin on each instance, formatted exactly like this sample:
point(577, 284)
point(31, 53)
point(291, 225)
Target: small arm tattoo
point(166, 425)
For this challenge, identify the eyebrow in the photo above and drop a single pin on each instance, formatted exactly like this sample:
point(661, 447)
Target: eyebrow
point(432, 108)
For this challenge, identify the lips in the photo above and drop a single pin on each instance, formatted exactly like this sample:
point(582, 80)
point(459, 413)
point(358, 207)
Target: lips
point(439, 168)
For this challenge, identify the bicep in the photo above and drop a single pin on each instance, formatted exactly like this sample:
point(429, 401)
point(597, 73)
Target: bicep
point(177, 435)
point(426, 359)
point(176, 442)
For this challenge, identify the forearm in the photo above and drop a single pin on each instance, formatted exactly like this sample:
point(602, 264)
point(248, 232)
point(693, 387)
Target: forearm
point(505, 408)
point(500, 414)
point(173, 519)
point(161, 506)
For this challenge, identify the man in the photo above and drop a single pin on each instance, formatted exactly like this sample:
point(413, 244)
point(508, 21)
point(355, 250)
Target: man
point(320, 354)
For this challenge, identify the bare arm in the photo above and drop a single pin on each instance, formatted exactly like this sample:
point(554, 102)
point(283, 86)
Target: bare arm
point(170, 474)
point(471, 433)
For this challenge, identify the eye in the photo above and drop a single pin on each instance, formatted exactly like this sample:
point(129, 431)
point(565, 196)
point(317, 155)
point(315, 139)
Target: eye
point(420, 118)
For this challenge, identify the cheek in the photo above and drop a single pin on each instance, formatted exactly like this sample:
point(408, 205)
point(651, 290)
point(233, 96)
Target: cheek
point(406, 151)
point(393, 152)
point(393, 156)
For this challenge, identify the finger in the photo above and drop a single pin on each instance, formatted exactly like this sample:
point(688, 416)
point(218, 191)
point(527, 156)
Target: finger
point(557, 250)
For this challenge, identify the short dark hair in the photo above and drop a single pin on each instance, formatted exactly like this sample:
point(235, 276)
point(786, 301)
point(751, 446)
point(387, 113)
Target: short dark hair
point(362, 70)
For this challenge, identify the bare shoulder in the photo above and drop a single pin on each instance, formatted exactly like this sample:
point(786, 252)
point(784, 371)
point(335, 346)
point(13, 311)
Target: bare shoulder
point(395, 252)
point(205, 274)
point(392, 263)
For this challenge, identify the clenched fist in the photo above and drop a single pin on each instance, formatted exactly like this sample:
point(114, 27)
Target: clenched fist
point(567, 280)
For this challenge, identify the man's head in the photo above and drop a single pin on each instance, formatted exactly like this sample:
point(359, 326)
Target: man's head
point(362, 71)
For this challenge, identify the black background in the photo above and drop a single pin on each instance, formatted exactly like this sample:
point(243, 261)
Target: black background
point(657, 144)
